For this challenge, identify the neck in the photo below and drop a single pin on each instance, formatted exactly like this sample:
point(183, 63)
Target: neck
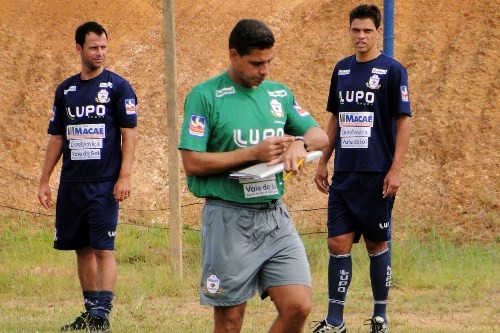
point(367, 56)
point(88, 73)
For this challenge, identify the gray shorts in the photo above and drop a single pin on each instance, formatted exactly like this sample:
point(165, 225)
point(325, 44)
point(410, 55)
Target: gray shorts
point(246, 247)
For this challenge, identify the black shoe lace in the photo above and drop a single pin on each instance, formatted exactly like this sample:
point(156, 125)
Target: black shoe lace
point(374, 326)
point(315, 324)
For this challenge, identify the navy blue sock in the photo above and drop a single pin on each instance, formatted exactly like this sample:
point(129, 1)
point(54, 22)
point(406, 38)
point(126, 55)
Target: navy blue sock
point(339, 278)
point(380, 275)
point(90, 299)
point(104, 304)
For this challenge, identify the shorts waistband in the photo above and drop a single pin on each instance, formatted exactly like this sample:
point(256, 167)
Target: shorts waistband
point(271, 205)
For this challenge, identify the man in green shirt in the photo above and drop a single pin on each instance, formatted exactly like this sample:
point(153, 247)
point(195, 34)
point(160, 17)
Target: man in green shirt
point(248, 239)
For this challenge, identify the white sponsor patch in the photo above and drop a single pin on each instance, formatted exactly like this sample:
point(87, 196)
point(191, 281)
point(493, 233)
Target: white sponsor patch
point(404, 94)
point(86, 131)
point(130, 106)
point(354, 142)
point(276, 109)
point(53, 114)
point(350, 132)
point(344, 71)
point(102, 96)
point(356, 119)
point(373, 82)
point(277, 93)
point(72, 88)
point(85, 144)
point(197, 125)
point(254, 189)
point(85, 154)
point(106, 85)
point(225, 91)
point(379, 71)
point(213, 284)
point(300, 110)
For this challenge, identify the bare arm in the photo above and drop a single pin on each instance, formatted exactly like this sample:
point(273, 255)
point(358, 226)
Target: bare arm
point(321, 177)
point(52, 156)
point(392, 180)
point(315, 138)
point(123, 185)
point(209, 163)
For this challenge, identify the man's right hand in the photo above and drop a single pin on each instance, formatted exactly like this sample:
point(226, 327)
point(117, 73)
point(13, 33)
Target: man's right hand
point(45, 195)
point(321, 178)
point(271, 149)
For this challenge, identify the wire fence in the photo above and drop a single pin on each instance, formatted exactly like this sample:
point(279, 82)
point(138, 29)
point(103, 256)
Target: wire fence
point(438, 180)
point(32, 185)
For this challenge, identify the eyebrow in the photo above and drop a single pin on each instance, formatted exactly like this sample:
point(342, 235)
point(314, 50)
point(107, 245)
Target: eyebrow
point(364, 29)
point(255, 62)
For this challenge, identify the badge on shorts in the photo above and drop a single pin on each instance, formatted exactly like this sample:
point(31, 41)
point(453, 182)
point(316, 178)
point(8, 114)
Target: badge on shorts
point(213, 285)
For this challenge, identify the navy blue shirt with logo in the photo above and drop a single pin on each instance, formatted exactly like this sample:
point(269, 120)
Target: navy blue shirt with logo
point(89, 114)
point(367, 97)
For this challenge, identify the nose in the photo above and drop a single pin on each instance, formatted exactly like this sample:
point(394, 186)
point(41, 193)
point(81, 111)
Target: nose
point(100, 51)
point(264, 69)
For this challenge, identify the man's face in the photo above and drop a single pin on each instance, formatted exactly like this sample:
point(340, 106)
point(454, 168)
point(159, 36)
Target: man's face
point(251, 69)
point(93, 52)
point(364, 35)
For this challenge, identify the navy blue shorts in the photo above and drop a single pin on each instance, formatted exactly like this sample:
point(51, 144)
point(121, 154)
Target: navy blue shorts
point(355, 204)
point(86, 215)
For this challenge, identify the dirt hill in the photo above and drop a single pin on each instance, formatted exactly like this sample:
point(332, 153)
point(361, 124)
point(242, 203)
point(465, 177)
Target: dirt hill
point(450, 48)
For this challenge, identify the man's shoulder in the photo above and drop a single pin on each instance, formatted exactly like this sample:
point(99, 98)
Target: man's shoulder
point(68, 84)
point(347, 61)
point(113, 77)
point(390, 62)
point(69, 81)
point(213, 84)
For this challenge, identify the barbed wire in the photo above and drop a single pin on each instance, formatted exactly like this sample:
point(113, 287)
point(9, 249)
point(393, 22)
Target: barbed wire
point(163, 227)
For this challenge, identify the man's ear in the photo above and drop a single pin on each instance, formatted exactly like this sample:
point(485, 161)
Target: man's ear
point(233, 54)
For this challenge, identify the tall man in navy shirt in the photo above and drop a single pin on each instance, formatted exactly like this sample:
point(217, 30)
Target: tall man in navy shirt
point(93, 127)
point(369, 130)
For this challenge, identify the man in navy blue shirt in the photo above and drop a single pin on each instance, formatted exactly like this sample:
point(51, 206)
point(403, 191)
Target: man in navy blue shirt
point(369, 131)
point(93, 127)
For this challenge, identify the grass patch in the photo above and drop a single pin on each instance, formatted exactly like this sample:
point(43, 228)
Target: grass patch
point(438, 286)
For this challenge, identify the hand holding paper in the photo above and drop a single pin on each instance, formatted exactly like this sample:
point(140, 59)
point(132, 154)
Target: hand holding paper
point(262, 170)
point(288, 174)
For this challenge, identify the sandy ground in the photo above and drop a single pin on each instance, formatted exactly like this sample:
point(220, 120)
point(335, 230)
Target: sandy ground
point(450, 48)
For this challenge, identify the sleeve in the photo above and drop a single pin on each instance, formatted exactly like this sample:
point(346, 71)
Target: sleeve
point(298, 120)
point(56, 124)
point(126, 105)
point(332, 103)
point(400, 96)
point(195, 131)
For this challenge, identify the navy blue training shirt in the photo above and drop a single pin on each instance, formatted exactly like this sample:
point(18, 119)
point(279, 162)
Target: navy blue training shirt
point(367, 97)
point(89, 114)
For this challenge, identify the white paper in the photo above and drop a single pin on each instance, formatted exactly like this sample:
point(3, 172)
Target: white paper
point(262, 170)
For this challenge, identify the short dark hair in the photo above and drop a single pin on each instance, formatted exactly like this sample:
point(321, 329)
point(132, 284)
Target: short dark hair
point(86, 28)
point(250, 34)
point(366, 11)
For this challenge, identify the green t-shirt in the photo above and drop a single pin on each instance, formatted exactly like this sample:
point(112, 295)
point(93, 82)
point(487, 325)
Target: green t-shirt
point(220, 116)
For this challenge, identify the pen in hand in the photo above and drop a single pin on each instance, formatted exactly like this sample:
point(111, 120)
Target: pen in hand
point(288, 174)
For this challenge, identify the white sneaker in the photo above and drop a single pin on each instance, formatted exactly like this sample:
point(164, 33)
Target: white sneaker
point(323, 327)
point(377, 325)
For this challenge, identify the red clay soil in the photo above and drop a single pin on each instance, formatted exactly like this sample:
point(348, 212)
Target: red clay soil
point(450, 48)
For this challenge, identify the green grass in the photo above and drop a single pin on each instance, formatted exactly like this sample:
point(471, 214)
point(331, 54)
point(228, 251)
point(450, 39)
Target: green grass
point(437, 286)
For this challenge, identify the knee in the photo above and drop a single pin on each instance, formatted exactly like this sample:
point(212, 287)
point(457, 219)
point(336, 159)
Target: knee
point(228, 319)
point(104, 254)
point(339, 246)
point(298, 311)
point(375, 247)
